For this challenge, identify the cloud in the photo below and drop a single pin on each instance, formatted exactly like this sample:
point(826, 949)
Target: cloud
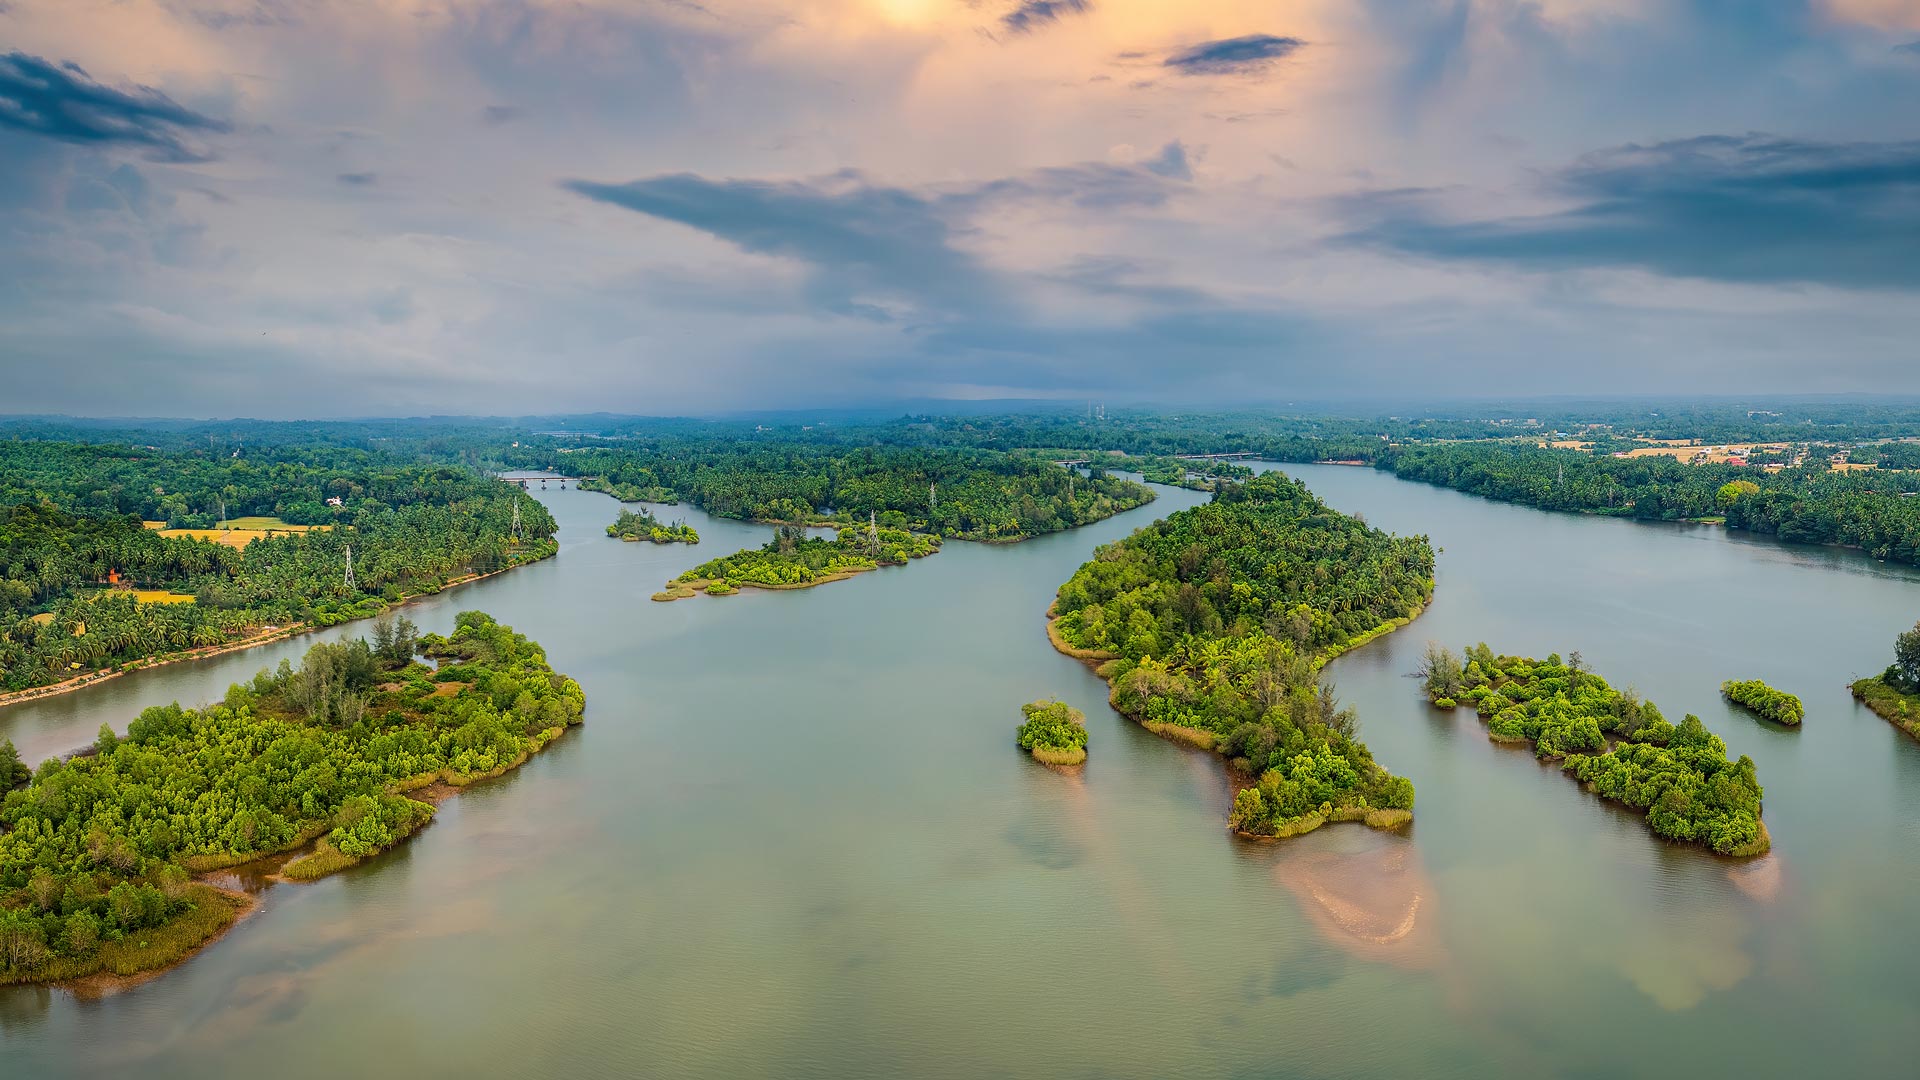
point(1747, 209)
point(863, 243)
point(1171, 162)
point(1031, 15)
point(358, 179)
point(495, 115)
point(1911, 48)
point(63, 102)
point(866, 245)
point(1232, 56)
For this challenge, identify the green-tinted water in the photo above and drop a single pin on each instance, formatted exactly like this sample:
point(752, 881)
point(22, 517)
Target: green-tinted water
point(794, 838)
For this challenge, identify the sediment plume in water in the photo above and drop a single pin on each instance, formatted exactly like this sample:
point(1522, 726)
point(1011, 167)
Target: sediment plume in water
point(1366, 893)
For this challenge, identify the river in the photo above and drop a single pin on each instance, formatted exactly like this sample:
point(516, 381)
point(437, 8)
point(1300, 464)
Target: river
point(794, 838)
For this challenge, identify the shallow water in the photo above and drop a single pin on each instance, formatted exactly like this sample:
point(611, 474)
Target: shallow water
point(794, 838)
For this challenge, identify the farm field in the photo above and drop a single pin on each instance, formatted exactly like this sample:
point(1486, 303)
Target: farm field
point(237, 532)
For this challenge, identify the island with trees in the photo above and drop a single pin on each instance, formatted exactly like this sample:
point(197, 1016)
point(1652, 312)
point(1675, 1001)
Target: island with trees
point(99, 854)
point(1617, 744)
point(632, 526)
point(1212, 625)
point(793, 559)
point(1764, 701)
point(1054, 732)
point(1894, 694)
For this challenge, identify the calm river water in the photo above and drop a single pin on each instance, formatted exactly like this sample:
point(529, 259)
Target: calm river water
point(794, 838)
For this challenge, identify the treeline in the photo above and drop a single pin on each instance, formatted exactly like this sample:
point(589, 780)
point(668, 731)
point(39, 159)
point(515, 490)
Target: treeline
point(1872, 510)
point(966, 494)
point(97, 853)
point(1677, 775)
point(190, 489)
point(1215, 621)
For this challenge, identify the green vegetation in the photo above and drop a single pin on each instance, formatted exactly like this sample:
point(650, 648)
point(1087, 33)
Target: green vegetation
point(1215, 622)
point(965, 494)
point(644, 526)
point(74, 545)
point(627, 493)
point(1055, 733)
point(1678, 776)
point(1894, 694)
point(1808, 504)
point(793, 559)
point(97, 852)
point(1764, 701)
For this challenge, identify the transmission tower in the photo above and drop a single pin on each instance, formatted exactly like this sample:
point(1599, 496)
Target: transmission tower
point(516, 519)
point(351, 587)
point(933, 500)
point(873, 535)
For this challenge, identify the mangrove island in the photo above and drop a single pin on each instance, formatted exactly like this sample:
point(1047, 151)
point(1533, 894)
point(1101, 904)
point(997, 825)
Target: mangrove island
point(1612, 741)
point(1211, 627)
point(1764, 701)
point(1055, 733)
point(795, 560)
point(631, 526)
point(99, 854)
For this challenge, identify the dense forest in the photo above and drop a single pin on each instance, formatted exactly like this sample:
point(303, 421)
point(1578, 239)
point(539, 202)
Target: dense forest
point(77, 543)
point(1214, 623)
point(965, 494)
point(1620, 746)
point(629, 525)
point(97, 854)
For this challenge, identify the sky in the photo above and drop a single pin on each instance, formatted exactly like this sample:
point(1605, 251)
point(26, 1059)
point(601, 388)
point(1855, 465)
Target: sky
point(285, 208)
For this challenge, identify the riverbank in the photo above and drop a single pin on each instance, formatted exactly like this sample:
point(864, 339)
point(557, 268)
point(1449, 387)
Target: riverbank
point(266, 635)
point(145, 955)
point(1900, 709)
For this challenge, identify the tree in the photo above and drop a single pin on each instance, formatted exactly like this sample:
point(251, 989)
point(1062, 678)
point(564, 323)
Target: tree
point(13, 771)
point(1734, 490)
point(1906, 657)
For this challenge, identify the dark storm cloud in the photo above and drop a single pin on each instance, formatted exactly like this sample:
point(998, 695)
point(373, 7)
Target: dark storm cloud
point(1031, 15)
point(1232, 56)
point(62, 102)
point(890, 254)
point(1753, 208)
point(858, 239)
